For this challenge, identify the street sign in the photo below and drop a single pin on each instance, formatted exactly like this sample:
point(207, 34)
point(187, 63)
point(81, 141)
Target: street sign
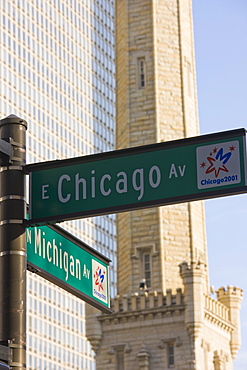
point(153, 175)
point(69, 263)
point(5, 355)
point(6, 153)
point(6, 148)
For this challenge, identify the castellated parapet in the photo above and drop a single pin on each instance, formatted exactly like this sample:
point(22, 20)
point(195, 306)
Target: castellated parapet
point(145, 324)
point(141, 327)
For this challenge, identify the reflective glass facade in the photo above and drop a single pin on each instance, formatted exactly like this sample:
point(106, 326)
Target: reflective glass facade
point(57, 71)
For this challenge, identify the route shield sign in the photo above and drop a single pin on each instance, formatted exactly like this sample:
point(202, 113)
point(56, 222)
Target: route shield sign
point(69, 263)
point(153, 175)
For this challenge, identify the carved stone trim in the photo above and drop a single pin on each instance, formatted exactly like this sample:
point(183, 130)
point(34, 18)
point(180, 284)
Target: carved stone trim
point(164, 342)
point(143, 358)
point(119, 347)
point(144, 247)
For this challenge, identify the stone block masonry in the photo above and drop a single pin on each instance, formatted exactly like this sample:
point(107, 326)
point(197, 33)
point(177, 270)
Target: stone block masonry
point(173, 322)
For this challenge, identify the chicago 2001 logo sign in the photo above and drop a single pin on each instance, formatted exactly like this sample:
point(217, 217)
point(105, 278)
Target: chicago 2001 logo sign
point(99, 281)
point(218, 165)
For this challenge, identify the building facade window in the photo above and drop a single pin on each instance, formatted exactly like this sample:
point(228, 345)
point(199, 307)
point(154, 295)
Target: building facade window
point(120, 359)
point(47, 79)
point(147, 269)
point(170, 354)
point(141, 73)
point(145, 254)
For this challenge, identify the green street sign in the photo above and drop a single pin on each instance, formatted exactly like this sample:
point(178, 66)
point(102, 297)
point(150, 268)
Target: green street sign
point(153, 175)
point(69, 263)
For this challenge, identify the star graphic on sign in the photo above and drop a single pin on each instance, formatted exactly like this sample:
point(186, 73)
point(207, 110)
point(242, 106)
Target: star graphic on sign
point(99, 278)
point(232, 148)
point(214, 166)
point(203, 164)
point(215, 150)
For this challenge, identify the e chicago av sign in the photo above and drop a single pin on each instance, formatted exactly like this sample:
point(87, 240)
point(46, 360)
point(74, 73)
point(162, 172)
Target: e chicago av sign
point(153, 175)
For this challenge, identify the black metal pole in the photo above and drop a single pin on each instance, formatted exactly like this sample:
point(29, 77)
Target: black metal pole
point(13, 241)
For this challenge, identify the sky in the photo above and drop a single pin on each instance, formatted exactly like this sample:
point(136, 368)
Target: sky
point(220, 32)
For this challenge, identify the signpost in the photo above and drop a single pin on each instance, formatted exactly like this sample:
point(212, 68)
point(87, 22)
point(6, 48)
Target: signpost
point(64, 260)
point(160, 174)
point(12, 240)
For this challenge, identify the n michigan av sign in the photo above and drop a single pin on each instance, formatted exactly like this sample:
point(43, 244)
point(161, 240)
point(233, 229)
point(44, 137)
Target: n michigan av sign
point(159, 174)
point(69, 263)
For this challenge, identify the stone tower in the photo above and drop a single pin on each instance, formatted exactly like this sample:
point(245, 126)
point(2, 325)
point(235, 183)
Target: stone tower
point(163, 314)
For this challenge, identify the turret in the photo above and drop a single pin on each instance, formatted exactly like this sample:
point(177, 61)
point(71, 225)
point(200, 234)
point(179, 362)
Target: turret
point(93, 327)
point(194, 282)
point(232, 298)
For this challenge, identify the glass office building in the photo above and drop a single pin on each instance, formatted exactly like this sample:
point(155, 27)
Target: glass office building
point(57, 72)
